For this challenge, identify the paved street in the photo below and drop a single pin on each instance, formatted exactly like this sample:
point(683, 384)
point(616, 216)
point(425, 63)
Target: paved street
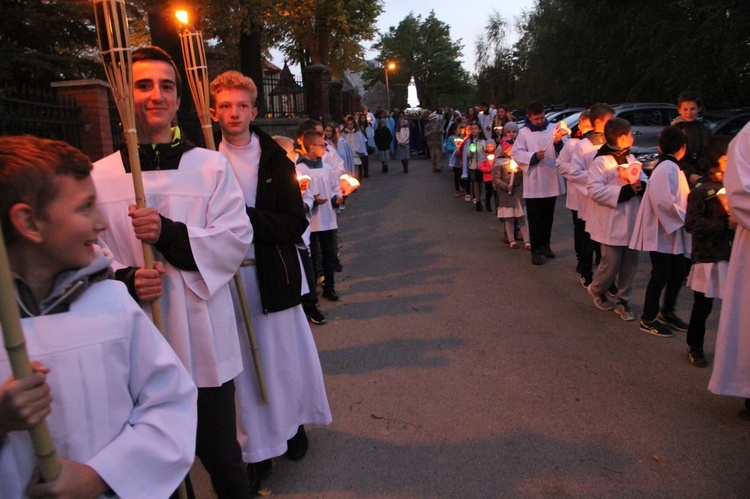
point(455, 368)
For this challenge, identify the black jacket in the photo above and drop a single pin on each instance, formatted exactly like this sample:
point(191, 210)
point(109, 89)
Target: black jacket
point(278, 221)
point(383, 138)
point(708, 222)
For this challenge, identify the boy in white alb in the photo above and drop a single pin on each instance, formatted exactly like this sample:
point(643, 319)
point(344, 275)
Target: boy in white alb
point(660, 230)
point(535, 151)
point(197, 223)
point(122, 407)
point(326, 187)
point(611, 217)
point(274, 284)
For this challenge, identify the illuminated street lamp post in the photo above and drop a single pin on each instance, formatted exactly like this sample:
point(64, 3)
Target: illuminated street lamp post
point(391, 66)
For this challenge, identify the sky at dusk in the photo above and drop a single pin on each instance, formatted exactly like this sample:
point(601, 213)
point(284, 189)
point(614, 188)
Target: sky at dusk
point(466, 21)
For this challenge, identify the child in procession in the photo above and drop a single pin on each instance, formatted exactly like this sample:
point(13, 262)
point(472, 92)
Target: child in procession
point(383, 138)
point(120, 406)
point(612, 213)
point(507, 181)
point(660, 230)
point(403, 149)
point(708, 221)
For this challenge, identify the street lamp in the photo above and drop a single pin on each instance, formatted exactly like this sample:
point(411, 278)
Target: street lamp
point(391, 66)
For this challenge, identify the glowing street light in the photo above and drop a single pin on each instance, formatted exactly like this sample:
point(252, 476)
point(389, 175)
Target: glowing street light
point(391, 66)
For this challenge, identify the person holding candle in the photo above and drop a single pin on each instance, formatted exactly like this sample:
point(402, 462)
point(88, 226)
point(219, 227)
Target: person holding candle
point(120, 405)
point(708, 221)
point(611, 217)
point(472, 154)
point(660, 230)
point(535, 150)
point(581, 161)
point(507, 181)
point(731, 373)
point(197, 223)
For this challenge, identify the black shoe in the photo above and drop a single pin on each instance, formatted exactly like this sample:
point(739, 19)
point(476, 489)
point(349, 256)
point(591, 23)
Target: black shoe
point(612, 291)
point(478, 206)
point(253, 478)
point(314, 315)
point(297, 445)
point(338, 267)
point(547, 251)
point(673, 322)
point(747, 405)
point(331, 294)
point(697, 358)
point(263, 469)
point(488, 208)
point(655, 328)
point(537, 259)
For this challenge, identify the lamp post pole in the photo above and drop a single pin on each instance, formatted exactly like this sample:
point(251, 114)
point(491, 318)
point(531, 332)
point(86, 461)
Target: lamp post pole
point(389, 65)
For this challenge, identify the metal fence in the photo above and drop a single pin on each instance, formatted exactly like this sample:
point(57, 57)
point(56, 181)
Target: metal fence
point(284, 96)
point(37, 111)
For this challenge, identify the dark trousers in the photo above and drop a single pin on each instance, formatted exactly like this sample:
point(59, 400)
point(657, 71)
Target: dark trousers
point(702, 306)
point(457, 178)
point(216, 442)
point(365, 164)
point(310, 299)
point(584, 246)
point(489, 193)
point(325, 241)
point(667, 274)
point(540, 213)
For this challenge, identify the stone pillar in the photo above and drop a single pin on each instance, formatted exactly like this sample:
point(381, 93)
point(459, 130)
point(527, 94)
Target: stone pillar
point(316, 78)
point(335, 88)
point(92, 97)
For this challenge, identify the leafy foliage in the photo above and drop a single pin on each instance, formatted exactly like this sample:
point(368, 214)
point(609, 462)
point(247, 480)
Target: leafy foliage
point(47, 40)
point(603, 50)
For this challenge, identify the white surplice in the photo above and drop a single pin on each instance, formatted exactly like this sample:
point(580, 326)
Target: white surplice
point(660, 224)
point(608, 221)
point(731, 374)
point(122, 401)
point(197, 305)
point(288, 355)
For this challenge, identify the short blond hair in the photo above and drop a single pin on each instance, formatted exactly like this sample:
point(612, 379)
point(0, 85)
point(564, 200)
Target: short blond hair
point(230, 80)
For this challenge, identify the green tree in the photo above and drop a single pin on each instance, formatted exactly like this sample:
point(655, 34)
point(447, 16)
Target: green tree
point(423, 48)
point(495, 63)
point(47, 40)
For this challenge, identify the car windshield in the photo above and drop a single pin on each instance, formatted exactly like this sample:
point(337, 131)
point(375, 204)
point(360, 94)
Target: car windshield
point(712, 121)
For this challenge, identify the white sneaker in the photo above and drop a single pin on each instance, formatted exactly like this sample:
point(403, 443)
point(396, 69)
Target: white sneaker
point(624, 312)
point(467, 197)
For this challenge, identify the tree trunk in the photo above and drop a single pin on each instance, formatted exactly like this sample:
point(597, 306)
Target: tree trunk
point(251, 61)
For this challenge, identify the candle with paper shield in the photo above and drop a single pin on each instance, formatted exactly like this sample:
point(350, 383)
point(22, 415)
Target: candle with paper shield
point(513, 169)
point(304, 181)
point(721, 195)
point(349, 184)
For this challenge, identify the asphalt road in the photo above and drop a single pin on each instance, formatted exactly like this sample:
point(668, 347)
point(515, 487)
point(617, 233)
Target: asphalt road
point(455, 368)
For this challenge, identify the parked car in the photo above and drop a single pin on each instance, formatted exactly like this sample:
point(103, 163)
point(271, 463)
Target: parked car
point(726, 122)
point(556, 116)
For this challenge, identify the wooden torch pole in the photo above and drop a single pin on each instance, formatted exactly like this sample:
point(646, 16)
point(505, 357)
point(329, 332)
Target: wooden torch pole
point(114, 47)
point(15, 345)
point(194, 55)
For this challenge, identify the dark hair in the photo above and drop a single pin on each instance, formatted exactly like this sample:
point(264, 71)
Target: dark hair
point(689, 96)
point(308, 136)
point(585, 115)
point(614, 129)
point(535, 107)
point(154, 53)
point(28, 167)
point(307, 124)
point(671, 140)
point(716, 148)
point(334, 136)
point(599, 111)
point(354, 122)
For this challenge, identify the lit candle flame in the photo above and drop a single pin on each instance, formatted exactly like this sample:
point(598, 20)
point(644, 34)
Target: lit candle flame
point(721, 191)
point(182, 16)
point(490, 157)
point(513, 166)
